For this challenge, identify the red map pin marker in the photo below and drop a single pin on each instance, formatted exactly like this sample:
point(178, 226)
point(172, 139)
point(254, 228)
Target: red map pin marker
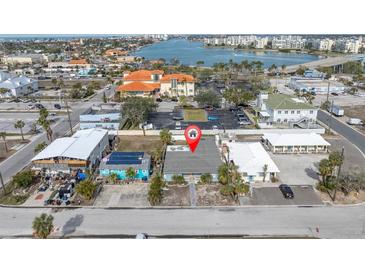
point(192, 136)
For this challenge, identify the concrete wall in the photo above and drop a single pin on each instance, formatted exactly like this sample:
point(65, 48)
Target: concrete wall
point(85, 125)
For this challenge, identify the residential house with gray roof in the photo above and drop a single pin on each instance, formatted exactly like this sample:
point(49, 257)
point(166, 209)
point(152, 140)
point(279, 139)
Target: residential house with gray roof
point(180, 160)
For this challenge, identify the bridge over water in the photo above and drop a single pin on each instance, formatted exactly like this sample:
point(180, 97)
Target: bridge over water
point(335, 62)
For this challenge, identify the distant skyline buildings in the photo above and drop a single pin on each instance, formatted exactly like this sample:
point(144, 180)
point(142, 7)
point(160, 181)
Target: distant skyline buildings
point(345, 44)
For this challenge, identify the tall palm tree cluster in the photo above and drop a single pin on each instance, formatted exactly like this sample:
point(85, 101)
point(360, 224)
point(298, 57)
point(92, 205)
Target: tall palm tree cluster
point(231, 180)
point(254, 66)
point(329, 170)
point(20, 124)
point(45, 123)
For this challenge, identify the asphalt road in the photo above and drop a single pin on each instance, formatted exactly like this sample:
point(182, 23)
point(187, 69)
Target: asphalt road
point(22, 158)
point(346, 131)
point(331, 221)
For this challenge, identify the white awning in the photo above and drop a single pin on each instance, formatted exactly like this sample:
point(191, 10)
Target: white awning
point(264, 114)
point(301, 139)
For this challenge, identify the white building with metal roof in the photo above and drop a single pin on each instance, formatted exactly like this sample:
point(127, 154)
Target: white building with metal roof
point(16, 85)
point(253, 161)
point(295, 143)
point(82, 150)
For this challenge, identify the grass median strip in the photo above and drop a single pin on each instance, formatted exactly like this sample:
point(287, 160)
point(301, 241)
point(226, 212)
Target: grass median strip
point(199, 115)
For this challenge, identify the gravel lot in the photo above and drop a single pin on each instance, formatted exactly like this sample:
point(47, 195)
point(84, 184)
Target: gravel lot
point(129, 195)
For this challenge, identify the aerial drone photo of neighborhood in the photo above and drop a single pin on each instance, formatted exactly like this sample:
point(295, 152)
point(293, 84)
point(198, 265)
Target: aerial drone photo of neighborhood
point(270, 123)
point(182, 137)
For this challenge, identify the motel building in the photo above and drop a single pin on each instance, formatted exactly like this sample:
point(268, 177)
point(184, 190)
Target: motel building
point(295, 143)
point(253, 161)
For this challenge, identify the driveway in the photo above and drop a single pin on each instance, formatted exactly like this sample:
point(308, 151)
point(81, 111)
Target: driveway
point(303, 195)
point(298, 169)
point(131, 195)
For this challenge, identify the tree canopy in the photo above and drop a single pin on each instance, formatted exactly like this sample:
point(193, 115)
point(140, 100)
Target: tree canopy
point(43, 226)
point(207, 97)
point(238, 96)
point(136, 109)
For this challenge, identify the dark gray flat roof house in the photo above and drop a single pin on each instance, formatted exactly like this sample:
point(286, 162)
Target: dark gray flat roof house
point(180, 160)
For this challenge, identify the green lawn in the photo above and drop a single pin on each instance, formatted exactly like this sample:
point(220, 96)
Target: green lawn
point(195, 115)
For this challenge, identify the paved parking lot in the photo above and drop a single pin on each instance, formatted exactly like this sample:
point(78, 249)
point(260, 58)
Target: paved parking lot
point(298, 169)
point(303, 195)
point(166, 106)
point(7, 121)
point(222, 119)
point(134, 194)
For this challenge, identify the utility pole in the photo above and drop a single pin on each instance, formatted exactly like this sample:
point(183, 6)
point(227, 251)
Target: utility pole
point(68, 115)
point(329, 120)
point(328, 91)
point(2, 183)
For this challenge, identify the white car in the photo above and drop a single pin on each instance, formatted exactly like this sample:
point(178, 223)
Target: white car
point(178, 125)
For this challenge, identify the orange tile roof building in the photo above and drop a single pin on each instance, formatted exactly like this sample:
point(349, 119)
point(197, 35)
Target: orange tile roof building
point(82, 63)
point(143, 76)
point(149, 82)
point(138, 89)
point(177, 84)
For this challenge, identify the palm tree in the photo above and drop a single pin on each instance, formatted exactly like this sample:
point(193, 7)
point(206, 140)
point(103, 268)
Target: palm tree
point(113, 178)
point(3, 136)
point(265, 172)
point(272, 68)
point(309, 97)
point(130, 173)
point(206, 178)
point(45, 123)
point(155, 191)
point(165, 137)
point(86, 189)
point(20, 124)
point(43, 226)
point(3, 91)
point(40, 147)
point(283, 68)
point(223, 174)
point(157, 155)
point(178, 180)
point(325, 169)
point(336, 159)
